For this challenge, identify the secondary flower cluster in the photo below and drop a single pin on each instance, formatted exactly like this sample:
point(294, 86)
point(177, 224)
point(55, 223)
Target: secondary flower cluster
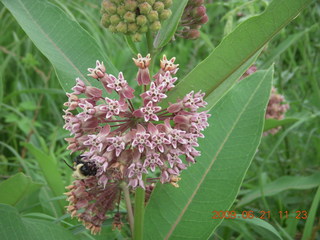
point(124, 142)
point(276, 109)
point(194, 16)
point(134, 17)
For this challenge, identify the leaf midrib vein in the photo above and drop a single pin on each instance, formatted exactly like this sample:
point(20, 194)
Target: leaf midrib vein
point(211, 164)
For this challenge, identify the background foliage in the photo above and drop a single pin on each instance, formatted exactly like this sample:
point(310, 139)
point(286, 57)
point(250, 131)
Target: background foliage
point(283, 176)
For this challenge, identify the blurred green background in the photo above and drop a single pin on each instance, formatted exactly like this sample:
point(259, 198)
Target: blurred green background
point(285, 173)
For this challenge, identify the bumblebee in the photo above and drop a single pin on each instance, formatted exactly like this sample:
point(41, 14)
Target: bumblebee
point(82, 169)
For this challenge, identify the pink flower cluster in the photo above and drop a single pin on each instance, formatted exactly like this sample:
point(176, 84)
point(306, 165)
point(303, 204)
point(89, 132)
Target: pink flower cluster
point(193, 17)
point(112, 132)
point(95, 201)
point(122, 141)
point(276, 109)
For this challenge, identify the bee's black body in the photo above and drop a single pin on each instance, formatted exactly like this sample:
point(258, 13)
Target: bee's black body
point(87, 168)
point(82, 169)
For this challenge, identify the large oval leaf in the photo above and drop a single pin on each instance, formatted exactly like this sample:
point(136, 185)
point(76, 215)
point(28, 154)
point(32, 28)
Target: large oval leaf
point(69, 48)
point(218, 72)
point(13, 226)
point(213, 182)
point(50, 170)
point(17, 187)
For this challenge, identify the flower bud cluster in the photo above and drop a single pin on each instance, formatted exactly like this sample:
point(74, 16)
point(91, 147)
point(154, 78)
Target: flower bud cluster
point(194, 16)
point(134, 17)
point(124, 141)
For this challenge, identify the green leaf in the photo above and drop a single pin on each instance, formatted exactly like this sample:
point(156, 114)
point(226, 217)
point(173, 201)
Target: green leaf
point(280, 185)
point(170, 25)
point(13, 226)
point(17, 187)
point(236, 50)
point(213, 182)
point(50, 171)
point(216, 95)
point(311, 216)
point(256, 223)
point(292, 224)
point(69, 48)
point(273, 123)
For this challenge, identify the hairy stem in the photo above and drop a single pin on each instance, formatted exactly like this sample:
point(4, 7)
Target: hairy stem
point(127, 199)
point(139, 212)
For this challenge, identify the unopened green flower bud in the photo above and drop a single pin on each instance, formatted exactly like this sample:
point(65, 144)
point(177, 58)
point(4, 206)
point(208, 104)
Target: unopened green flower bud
point(158, 6)
point(132, 27)
point(102, 10)
point(109, 7)
point(134, 16)
point(137, 37)
point(145, 8)
point(142, 20)
point(121, 10)
point(153, 16)
point(115, 19)
point(143, 29)
point(112, 29)
point(122, 27)
point(130, 17)
point(131, 5)
point(155, 26)
point(151, 2)
point(105, 20)
point(165, 14)
point(167, 3)
point(198, 2)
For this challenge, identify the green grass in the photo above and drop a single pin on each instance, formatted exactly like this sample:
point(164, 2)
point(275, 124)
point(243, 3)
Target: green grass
point(31, 107)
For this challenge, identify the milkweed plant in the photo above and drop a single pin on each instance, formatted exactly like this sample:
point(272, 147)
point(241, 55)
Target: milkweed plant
point(155, 152)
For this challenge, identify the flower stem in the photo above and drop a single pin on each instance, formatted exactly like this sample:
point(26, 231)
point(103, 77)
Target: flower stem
point(128, 204)
point(139, 212)
point(150, 42)
point(153, 52)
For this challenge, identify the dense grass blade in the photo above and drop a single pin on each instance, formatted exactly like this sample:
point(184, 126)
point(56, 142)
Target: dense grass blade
point(273, 123)
point(311, 216)
point(281, 184)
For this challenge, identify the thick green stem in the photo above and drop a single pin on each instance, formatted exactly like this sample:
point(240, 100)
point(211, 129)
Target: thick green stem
point(153, 52)
point(139, 212)
point(127, 199)
point(149, 42)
